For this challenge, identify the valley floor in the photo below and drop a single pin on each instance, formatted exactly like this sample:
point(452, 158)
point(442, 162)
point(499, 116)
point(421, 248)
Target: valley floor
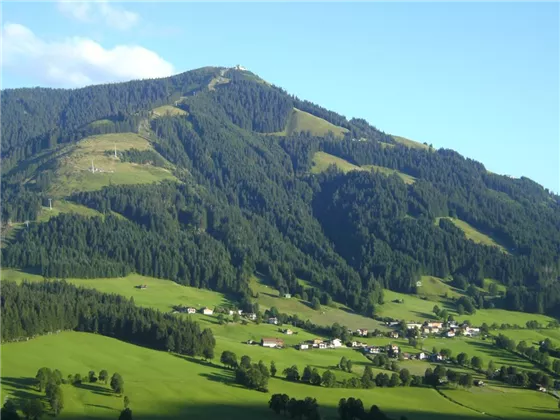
point(163, 385)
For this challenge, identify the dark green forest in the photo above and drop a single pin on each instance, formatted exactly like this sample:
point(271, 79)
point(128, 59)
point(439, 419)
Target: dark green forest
point(32, 309)
point(246, 200)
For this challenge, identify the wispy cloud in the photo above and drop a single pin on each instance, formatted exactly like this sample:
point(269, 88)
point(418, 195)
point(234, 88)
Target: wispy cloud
point(77, 61)
point(115, 17)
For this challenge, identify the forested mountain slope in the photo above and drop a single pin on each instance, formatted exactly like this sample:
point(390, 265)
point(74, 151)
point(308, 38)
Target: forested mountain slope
point(243, 199)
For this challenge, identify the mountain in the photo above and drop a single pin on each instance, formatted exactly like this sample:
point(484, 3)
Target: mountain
point(211, 175)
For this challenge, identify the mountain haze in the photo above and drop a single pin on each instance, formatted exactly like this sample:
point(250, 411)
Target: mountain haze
point(218, 175)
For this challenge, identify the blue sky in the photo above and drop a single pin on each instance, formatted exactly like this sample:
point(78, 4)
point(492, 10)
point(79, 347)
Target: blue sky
point(480, 78)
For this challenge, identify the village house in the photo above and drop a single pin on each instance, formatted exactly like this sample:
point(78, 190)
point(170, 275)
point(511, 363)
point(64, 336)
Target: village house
point(207, 311)
point(437, 357)
point(478, 382)
point(272, 342)
point(251, 316)
point(287, 295)
point(426, 330)
point(142, 286)
point(362, 332)
point(191, 310)
point(412, 325)
point(434, 324)
point(316, 341)
point(372, 350)
point(303, 346)
point(287, 331)
point(356, 344)
point(450, 333)
point(336, 343)
point(421, 356)
point(394, 334)
point(322, 345)
point(469, 331)
point(406, 356)
point(231, 311)
point(273, 321)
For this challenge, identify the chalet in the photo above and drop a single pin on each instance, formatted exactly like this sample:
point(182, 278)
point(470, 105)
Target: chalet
point(421, 356)
point(450, 333)
point(358, 344)
point(207, 311)
point(316, 341)
point(426, 330)
point(287, 295)
point(336, 342)
point(406, 356)
point(273, 321)
point(272, 342)
point(394, 334)
point(418, 283)
point(541, 388)
point(435, 330)
point(251, 316)
point(434, 324)
point(392, 323)
point(287, 331)
point(372, 350)
point(142, 286)
point(303, 346)
point(436, 357)
point(362, 332)
point(469, 331)
point(322, 345)
point(412, 325)
point(231, 311)
point(478, 382)
point(191, 310)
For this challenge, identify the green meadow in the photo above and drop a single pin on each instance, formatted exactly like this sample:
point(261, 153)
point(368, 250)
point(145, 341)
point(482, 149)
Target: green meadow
point(301, 121)
point(473, 234)
point(74, 174)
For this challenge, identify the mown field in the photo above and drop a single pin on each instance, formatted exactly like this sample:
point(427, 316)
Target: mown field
point(74, 174)
point(474, 234)
point(301, 121)
point(410, 143)
point(163, 385)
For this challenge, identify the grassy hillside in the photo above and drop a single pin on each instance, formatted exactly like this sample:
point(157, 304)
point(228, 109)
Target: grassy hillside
point(435, 288)
point(63, 206)
point(299, 121)
point(407, 179)
point(74, 165)
point(474, 234)
point(164, 385)
point(410, 143)
point(322, 161)
point(168, 110)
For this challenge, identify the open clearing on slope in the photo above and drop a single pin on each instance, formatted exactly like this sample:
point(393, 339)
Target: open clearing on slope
point(168, 110)
point(74, 171)
point(415, 308)
point(410, 143)
point(322, 161)
point(472, 233)
point(407, 179)
point(63, 206)
point(301, 121)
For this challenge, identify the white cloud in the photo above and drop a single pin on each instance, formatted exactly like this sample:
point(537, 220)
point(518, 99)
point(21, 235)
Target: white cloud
point(76, 61)
point(99, 11)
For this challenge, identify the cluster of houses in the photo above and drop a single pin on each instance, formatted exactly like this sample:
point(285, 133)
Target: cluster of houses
point(447, 329)
point(209, 311)
point(318, 343)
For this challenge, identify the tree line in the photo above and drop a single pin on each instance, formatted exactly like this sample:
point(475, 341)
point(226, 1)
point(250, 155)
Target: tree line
point(31, 309)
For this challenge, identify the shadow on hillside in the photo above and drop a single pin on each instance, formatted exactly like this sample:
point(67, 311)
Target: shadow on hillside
point(261, 411)
point(500, 354)
point(101, 406)
point(540, 410)
point(20, 383)
point(96, 389)
point(424, 315)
